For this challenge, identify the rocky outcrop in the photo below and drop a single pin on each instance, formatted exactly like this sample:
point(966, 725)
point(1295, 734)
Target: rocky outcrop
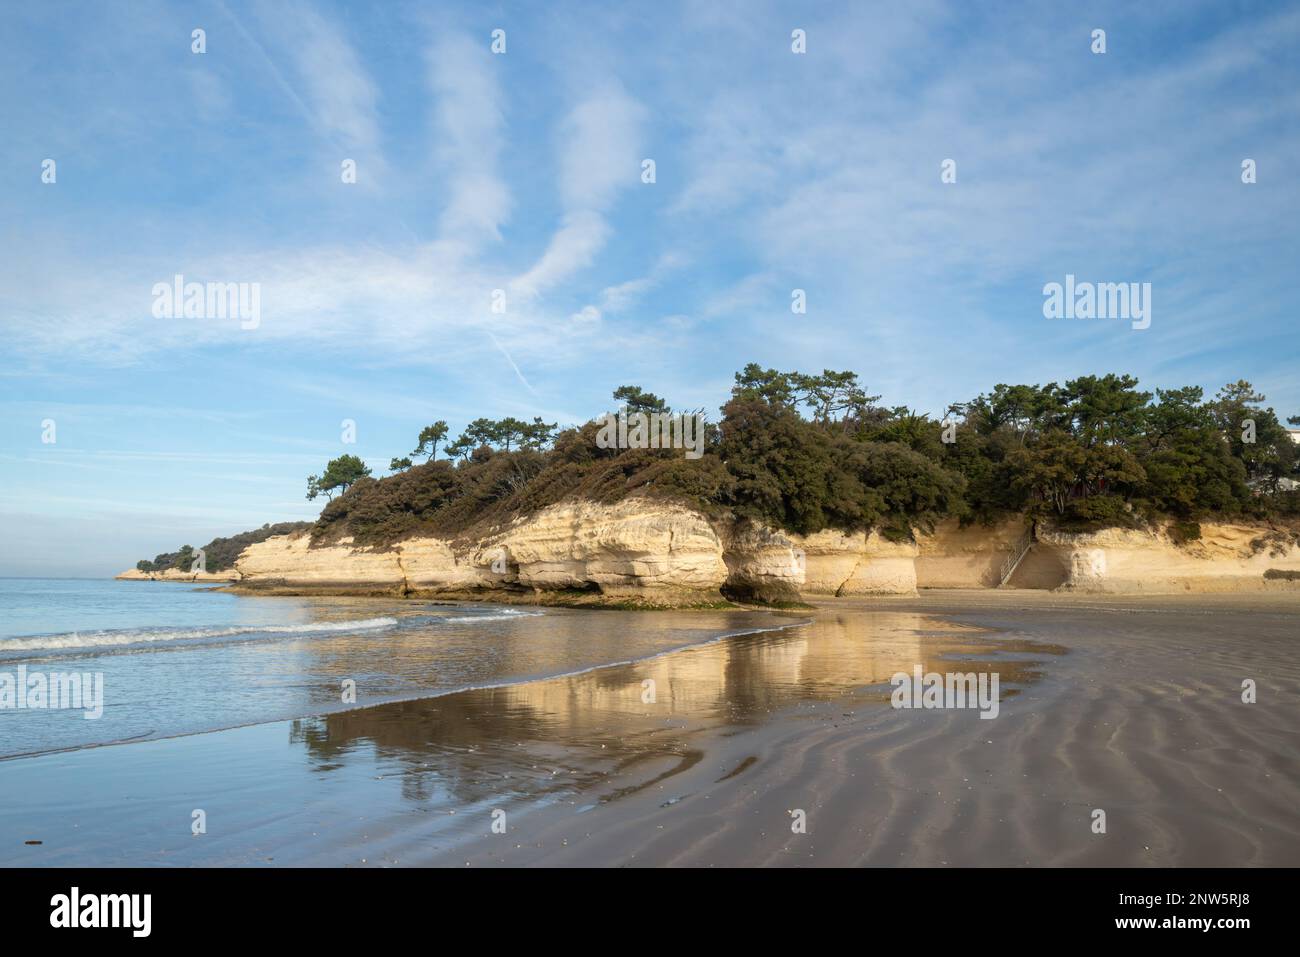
point(767, 565)
point(630, 551)
point(761, 564)
point(176, 575)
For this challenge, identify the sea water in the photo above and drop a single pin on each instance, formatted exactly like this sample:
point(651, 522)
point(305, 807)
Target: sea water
point(178, 658)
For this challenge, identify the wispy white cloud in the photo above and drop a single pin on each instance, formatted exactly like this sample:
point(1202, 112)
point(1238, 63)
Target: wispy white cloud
point(469, 131)
point(624, 295)
point(599, 147)
point(333, 89)
point(342, 95)
point(775, 171)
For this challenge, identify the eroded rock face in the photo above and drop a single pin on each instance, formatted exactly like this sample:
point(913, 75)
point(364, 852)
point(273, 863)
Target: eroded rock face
point(658, 553)
point(769, 565)
point(632, 549)
point(288, 560)
point(857, 563)
point(761, 564)
point(431, 564)
point(1130, 561)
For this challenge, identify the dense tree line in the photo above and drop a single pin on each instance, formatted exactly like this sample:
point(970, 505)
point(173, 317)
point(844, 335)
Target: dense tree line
point(808, 452)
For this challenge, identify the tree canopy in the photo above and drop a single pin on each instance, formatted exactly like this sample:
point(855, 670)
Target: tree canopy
point(811, 451)
point(430, 437)
point(339, 475)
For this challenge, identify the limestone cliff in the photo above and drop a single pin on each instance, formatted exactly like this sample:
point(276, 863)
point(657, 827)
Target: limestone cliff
point(636, 549)
point(289, 561)
point(970, 557)
point(632, 550)
point(857, 563)
point(653, 553)
point(1124, 561)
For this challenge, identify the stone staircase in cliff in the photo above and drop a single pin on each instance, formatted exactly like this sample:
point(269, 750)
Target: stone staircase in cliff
point(1018, 552)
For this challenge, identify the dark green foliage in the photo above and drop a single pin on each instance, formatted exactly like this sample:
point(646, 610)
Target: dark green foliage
point(809, 452)
point(638, 400)
point(339, 475)
point(782, 466)
point(1195, 473)
point(508, 433)
point(1255, 435)
point(982, 460)
point(386, 509)
point(889, 485)
point(429, 438)
point(160, 563)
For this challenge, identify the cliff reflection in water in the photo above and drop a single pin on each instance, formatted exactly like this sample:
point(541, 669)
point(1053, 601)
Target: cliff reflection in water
point(542, 739)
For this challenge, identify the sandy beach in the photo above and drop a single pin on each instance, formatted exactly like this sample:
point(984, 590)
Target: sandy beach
point(707, 756)
point(1134, 708)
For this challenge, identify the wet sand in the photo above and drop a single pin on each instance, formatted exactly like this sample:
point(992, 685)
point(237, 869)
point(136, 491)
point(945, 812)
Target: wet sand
point(1132, 706)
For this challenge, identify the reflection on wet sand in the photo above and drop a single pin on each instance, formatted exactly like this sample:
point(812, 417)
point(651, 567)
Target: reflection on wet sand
point(532, 742)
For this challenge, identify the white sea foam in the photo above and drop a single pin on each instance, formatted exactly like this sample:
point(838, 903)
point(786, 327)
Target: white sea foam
point(503, 615)
point(132, 636)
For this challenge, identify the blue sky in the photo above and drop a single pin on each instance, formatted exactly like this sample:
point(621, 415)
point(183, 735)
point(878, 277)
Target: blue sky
point(522, 172)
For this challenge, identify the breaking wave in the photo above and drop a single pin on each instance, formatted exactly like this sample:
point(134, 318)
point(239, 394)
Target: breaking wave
point(135, 636)
point(504, 614)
